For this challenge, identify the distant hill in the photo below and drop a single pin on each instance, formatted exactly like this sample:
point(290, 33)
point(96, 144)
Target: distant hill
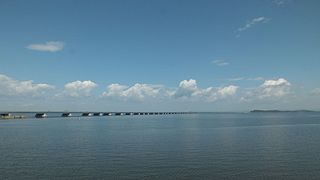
point(259, 110)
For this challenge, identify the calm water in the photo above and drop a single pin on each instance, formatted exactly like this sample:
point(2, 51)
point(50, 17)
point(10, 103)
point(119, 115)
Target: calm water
point(197, 146)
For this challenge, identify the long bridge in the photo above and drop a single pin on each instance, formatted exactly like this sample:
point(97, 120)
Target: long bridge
point(82, 114)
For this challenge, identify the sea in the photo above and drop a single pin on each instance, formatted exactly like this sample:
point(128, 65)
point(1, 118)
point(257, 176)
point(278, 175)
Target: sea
point(262, 145)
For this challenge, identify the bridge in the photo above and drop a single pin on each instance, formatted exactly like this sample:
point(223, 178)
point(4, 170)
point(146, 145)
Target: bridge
point(23, 115)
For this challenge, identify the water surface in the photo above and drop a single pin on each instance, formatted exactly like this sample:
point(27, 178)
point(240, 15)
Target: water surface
point(191, 146)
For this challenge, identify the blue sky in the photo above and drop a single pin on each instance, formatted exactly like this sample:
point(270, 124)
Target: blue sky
point(159, 55)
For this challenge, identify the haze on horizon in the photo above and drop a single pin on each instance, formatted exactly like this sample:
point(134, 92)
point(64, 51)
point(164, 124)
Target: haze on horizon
point(159, 55)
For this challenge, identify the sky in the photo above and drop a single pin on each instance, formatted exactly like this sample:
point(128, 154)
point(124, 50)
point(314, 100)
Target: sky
point(164, 55)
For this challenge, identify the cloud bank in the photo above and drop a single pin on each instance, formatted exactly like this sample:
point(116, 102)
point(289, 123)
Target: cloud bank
point(186, 90)
point(12, 87)
point(187, 93)
point(136, 92)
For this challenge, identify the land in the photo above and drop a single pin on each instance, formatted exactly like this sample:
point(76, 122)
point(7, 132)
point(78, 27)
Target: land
point(11, 117)
point(279, 111)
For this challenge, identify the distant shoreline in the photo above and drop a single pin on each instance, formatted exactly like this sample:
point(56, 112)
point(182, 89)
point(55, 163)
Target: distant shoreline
point(185, 112)
point(279, 111)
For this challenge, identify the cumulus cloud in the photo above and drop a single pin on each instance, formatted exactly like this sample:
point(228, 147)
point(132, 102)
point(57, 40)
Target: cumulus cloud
point(186, 88)
point(220, 62)
point(12, 87)
point(114, 90)
point(274, 88)
point(51, 46)
point(227, 91)
point(136, 92)
point(79, 88)
point(189, 89)
point(276, 83)
point(253, 22)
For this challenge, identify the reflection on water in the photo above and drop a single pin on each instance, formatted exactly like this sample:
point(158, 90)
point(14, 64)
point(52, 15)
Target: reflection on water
point(196, 146)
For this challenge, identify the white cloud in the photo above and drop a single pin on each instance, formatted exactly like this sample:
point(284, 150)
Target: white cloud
point(220, 62)
point(79, 88)
point(136, 92)
point(227, 91)
point(253, 22)
point(275, 83)
point(114, 90)
point(51, 46)
point(275, 88)
point(188, 89)
point(270, 89)
point(281, 2)
point(12, 87)
point(245, 79)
